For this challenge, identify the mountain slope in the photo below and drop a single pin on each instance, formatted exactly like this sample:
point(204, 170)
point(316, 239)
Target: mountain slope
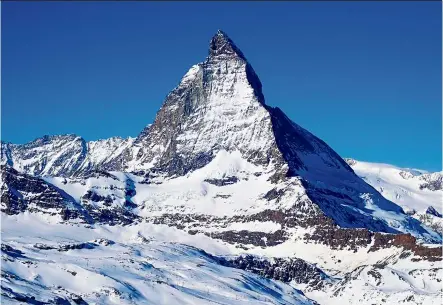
point(60, 269)
point(412, 189)
point(44, 259)
point(418, 192)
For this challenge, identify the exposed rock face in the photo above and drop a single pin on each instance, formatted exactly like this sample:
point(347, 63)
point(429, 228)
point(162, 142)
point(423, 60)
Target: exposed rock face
point(49, 155)
point(223, 181)
point(22, 192)
point(434, 222)
point(433, 181)
point(283, 269)
point(78, 246)
point(353, 239)
point(217, 105)
point(408, 242)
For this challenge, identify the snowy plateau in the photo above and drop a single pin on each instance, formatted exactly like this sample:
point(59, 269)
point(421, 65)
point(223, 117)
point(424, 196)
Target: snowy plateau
point(221, 200)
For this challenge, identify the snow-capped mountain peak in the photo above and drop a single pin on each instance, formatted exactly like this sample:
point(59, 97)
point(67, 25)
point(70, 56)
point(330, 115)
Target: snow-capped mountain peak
point(217, 105)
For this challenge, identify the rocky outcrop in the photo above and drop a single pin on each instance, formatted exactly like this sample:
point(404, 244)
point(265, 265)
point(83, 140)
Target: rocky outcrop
point(222, 182)
point(409, 243)
point(283, 269)
point(22, 192)
point(355, 239)
point(75, 246)
point(432, 211)
point(432, 181)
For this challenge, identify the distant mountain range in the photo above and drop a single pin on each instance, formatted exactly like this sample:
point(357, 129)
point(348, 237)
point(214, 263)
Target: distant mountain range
point(418, 192)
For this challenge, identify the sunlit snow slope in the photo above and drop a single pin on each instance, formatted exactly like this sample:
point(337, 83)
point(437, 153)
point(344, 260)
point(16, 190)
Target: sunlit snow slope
point(75, 264)
point(418, 192)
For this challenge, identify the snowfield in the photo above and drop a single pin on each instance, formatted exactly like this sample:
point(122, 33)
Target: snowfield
point(44, 258)
point(401, 185)
point(134, 269)
point(416, 191)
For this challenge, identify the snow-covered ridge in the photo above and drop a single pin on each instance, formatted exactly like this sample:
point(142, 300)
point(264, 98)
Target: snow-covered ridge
point(407, 187)
point(63, 155)
point(418, 192)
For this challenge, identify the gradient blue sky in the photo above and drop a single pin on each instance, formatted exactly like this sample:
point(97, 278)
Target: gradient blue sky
point(363, 76)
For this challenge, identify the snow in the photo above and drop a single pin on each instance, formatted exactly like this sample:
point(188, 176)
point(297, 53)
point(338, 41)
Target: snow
point(126, 271)
point(387, 179)
point(65, 154)
point(230, 115)
point(107, 149)
point(191, 74)
point(254, 226)
point(192, 194)
point(402, 186)
point(157, 264)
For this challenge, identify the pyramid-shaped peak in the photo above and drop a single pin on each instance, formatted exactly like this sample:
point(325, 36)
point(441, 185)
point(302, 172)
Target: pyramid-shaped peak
point(222, 45)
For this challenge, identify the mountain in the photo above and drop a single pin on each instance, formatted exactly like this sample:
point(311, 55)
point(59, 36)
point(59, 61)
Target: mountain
point(218, 114)
point(222, 170)
point(64, 155)
point(418, 192)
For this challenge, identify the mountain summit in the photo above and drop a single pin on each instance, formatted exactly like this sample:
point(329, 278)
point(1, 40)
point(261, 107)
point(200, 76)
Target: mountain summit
point(222, 45)
point(219, 105)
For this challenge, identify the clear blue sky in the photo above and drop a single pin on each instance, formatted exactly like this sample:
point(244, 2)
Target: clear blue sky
point(363, 76)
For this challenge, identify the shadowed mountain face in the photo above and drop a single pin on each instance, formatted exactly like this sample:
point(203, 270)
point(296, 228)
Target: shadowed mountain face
point(219, 108)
